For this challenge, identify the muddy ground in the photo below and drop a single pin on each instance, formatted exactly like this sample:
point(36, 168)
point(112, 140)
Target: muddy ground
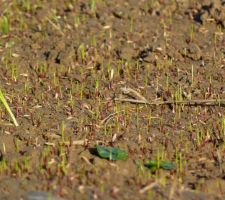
point(65, 67)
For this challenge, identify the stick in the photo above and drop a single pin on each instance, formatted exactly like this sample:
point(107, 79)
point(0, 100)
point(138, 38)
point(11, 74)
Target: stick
point(110, 116)
point(55, 26)
point(148, 187)
point(133, 93)
point(201, 102)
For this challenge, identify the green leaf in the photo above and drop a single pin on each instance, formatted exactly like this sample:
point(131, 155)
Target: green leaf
point(111, 153)
point(153, 165)
point(166, 165)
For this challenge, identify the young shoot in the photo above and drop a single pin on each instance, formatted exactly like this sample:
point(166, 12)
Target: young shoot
point(4, 23)
point(5, 104)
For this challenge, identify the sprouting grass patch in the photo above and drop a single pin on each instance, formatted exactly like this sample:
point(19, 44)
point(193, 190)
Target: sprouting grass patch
point(5, 104)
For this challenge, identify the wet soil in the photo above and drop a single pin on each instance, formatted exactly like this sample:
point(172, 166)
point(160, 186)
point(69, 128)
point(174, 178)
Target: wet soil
point(63, 63)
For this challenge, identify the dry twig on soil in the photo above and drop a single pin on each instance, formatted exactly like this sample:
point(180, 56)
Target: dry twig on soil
point(200, 102)
point(137, 98)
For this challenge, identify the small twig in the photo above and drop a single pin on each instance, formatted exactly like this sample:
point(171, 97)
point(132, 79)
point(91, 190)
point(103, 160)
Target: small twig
point(86, 160)
point(201, 102)
point(56, 26)
point(85, 142)
point(80, 142)
point(50, 144)
point(110, 116)
point(133, 93)
point(148, 187)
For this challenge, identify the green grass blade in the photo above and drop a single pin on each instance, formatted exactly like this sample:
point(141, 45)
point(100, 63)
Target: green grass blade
point(4, 102)
point(5, 25)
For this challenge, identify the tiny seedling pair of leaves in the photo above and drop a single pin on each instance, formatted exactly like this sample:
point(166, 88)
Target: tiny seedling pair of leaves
point(154, 165)
point(111, 153)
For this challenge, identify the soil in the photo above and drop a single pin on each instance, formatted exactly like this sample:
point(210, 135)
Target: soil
point(63, 63)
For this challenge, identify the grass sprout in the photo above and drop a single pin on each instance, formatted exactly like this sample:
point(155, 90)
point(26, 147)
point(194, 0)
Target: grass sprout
point(5, 25)
point(4, 102)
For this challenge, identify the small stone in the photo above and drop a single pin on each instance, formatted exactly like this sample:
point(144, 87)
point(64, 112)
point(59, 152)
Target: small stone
point(194, 52)
point(127, 53)
point(39, 195)
point(204, 16)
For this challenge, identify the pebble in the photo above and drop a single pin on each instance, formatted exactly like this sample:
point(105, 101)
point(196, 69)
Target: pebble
point(39, 195)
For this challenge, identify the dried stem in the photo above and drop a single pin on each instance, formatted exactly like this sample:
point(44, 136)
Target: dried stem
point(201, 102)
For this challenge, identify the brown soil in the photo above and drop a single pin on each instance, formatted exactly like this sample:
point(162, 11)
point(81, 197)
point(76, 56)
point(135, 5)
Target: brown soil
point(61, 66)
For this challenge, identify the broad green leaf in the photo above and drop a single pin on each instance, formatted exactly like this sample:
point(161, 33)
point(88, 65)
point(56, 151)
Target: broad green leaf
point(153, 165)
point(111, 153)
point(166, 165)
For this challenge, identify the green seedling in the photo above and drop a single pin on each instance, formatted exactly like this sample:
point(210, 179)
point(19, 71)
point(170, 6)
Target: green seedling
point(77, 21)
point(3, 166)
point(63, 132)
point(192, 32)
point(94, 41)
point(111, 153)
point(22, 23)
point(17, 145)
point(16, 168)
point(179, 160)
point(26, 163)
point(131, 24)
point(27, 5)
point(4, 23)
point(93, 5)
point(62, 164)
point(5, 104)
point(82, 52)
point(97, 85)
point(223, 126)
point(14, 73)
point(192, 74)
